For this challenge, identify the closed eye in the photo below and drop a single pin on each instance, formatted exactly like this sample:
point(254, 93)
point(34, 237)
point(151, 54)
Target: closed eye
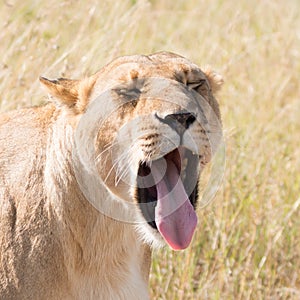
point(196, 85)
point(129, 92)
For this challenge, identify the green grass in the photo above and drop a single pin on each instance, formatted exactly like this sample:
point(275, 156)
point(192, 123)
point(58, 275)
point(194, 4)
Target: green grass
point(247, 245)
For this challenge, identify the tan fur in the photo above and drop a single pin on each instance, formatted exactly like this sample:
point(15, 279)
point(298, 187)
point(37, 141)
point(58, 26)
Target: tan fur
point(54, 244)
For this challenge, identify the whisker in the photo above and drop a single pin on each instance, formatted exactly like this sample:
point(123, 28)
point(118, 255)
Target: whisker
point(108, 147)
point(114, 165)
point(127, 168)
point(127, 156)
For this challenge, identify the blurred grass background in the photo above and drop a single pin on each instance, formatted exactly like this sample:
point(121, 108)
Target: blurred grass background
point(247, 245)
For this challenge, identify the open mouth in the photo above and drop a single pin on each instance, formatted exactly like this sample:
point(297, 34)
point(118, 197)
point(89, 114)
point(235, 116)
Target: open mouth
point(167, 195)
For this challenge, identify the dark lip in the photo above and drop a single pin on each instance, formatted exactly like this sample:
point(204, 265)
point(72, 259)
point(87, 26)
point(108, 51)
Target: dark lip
point(147, 197)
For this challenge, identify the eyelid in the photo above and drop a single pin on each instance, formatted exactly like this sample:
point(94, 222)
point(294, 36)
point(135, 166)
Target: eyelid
point(129, 92)
point(195, 85)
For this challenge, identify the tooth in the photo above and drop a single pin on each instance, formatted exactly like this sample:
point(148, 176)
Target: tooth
point(183, 168)
point(184, 164)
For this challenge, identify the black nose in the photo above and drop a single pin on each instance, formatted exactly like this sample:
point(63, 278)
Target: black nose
point(184, 119)
point(179, 121)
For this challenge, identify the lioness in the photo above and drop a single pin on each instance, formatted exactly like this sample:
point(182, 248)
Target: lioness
point(107, 169)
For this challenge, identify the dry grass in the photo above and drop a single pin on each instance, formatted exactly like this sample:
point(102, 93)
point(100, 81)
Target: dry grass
point(248, 243)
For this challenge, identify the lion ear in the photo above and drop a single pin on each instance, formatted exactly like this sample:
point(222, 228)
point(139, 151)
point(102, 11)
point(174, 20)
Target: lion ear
point(72, 93)
point(65, 90)
point(215, 80)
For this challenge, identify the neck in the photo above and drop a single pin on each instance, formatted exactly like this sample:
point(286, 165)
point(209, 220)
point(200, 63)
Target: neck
point(103, 256)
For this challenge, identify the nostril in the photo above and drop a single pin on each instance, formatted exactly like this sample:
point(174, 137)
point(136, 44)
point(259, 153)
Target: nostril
point(190, 120)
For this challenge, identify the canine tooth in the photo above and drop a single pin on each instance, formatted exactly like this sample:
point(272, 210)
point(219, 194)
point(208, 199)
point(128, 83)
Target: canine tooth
point(184, 163)
point(183, 168)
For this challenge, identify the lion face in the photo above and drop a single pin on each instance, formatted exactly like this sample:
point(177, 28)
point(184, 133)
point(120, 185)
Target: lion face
point(149, 125)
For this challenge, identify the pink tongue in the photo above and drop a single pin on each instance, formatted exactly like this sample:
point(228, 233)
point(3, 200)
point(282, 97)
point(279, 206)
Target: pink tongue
point(175, 216)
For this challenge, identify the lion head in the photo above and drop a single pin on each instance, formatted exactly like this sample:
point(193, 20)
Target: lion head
point(144, 129)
